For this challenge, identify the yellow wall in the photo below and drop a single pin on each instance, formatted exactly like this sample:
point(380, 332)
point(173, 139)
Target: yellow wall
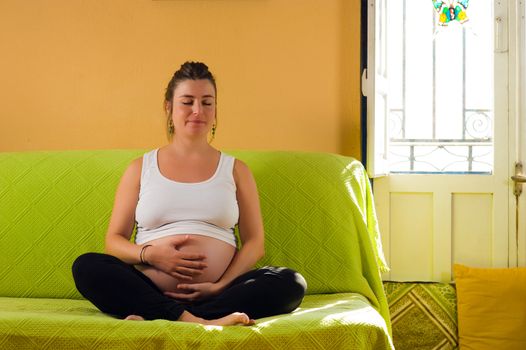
point(85, 74)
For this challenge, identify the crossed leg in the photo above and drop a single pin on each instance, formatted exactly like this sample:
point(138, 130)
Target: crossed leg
point(121, 290)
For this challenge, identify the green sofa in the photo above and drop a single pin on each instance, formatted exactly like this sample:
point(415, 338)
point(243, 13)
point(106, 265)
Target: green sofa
point(319, 219)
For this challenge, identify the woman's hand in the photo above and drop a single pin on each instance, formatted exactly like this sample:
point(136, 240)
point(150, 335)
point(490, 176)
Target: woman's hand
point(195, 291)
point(169, 259)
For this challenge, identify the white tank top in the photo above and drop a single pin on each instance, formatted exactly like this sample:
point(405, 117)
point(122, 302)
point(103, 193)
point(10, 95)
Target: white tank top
point(168, 207)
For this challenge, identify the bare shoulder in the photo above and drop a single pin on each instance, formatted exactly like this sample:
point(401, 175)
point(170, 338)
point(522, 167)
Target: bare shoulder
point(132, 174)
point(242, 171)
point(135, 166)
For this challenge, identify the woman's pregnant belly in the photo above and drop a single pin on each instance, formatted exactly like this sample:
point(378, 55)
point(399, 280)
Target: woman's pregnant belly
point(218, 255)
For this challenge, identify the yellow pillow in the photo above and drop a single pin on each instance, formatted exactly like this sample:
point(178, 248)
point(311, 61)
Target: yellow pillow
point(491, 308)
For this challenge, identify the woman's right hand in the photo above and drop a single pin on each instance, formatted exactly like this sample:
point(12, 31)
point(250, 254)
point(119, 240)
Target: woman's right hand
point(167, 257)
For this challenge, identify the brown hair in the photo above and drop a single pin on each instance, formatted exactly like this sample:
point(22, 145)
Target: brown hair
point(188, 71)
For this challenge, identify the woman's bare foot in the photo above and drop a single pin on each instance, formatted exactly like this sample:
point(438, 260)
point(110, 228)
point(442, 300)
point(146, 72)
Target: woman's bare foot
point(236, 318)
point(134, 318)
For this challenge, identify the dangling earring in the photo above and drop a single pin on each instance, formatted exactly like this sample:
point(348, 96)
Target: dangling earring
point(171, 128)
point(214, 127)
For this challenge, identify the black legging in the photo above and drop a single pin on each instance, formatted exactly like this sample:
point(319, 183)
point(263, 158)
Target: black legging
point(119, 289)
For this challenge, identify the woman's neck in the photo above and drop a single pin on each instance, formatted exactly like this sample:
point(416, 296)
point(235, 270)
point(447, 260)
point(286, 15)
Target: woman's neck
point(188, 147)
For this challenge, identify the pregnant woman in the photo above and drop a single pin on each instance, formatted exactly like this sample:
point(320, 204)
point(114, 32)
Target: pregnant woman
point(185, 199)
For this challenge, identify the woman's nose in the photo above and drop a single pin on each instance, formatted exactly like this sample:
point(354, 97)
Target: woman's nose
point(196, 108)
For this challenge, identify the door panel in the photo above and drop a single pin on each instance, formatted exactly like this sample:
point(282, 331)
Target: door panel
point(407, 231)
point(472, 228)
point(429, 222)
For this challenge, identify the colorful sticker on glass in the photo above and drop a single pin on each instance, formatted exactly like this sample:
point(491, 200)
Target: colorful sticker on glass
point(450, 11)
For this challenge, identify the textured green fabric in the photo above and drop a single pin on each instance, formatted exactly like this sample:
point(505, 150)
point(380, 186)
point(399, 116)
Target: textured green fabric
point(332, 321)
point(317, 208)
point(423, 315)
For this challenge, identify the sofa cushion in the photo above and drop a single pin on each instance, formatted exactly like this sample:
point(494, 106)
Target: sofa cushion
point(334, 321)
point(491, 307)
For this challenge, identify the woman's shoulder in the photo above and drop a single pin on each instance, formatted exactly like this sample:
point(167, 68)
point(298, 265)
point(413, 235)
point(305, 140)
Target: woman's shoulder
point(240, 165)
point(135, 166)
point(133, 171)
point(146, 157)
point(241, 171)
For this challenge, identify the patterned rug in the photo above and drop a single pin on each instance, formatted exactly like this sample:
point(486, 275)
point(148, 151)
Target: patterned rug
point(424, 315)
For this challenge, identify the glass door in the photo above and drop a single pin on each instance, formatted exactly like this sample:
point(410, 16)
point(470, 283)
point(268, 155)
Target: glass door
point(445, 193)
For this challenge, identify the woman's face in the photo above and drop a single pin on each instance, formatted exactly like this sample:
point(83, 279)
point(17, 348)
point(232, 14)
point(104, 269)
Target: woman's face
point(193, 107)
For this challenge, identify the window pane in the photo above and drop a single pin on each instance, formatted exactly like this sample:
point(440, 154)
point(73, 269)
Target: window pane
point(440, 89)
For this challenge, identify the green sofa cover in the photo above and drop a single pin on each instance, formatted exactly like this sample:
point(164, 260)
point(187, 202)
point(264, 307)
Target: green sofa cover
point(319, 219)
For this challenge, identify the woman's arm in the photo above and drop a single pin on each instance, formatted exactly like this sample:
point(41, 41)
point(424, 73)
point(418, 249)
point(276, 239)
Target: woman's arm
point(167, 257)
point(122, 219)
point(251, 235)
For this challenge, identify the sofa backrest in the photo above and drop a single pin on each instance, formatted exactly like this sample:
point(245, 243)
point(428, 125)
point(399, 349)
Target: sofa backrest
point(56, 205)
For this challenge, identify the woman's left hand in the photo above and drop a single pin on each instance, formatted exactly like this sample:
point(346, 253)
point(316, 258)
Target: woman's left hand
point(195, 291)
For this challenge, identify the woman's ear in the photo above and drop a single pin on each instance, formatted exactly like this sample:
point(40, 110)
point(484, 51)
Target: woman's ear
point(168, 107)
